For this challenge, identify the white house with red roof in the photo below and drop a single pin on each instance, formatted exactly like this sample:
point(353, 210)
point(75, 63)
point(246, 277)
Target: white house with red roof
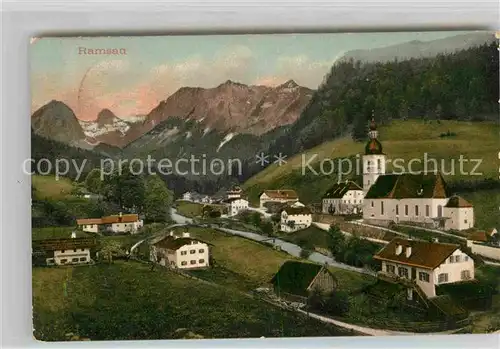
point(121, 223)
point(182, 252)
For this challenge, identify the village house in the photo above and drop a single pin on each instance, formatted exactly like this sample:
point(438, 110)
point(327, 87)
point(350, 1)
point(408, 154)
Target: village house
point(295, 218)
point(280, 196)
point(427, 264)
point(68, 251)
point(180, 252)
point(121, 223)
point(418, 198)
point(343, 198)
point(297, 280)
point(236, 205)
point(234, 193)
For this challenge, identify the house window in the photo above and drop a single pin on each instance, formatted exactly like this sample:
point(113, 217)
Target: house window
point(74, 259)
point(466, 258)
point(416, 210)
point(372, 201)
point(427, 210)
point(74, 250)
point(193, 262)
point(63, 261)
point(83, 259)
point(379, 164)
point(440, 211)
point(183, 253)
point(184, 263)
point(192, 251)
point(390, 269)
point(442, 278)
point(62, 251)
point(465, 221)
point(465, 275)
point(403, 272)
point(201, 250)
point(451, 259)
point(381, 207)
point(397, 210)
point(406, 210)
point(81, 249)
point(201, 261)
point(422, 276)
point(457, 259)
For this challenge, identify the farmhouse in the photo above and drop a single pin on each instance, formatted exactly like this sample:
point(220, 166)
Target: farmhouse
point(280, 196)
point(295, 218)
point(343, 198)
point(427, 264)
point(121, 223)
point(297, 280)
point(63, 251)
point(234, 193)
point(419, 198)
point(181, 252)
point(236, 205)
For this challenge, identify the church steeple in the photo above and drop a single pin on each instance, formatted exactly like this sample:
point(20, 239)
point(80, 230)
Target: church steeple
point(374, 158)
point(373, 146)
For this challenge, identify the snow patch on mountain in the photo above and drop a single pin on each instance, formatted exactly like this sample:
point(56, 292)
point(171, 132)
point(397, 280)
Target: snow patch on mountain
point(226, 139)
point(92, 128)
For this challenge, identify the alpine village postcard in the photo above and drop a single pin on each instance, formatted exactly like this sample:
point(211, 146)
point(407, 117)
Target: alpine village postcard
point(271, 185)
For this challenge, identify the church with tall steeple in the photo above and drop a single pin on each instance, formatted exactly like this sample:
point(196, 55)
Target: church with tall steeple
point(421, 198)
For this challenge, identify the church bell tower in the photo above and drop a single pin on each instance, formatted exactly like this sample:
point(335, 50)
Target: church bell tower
point(374, 158)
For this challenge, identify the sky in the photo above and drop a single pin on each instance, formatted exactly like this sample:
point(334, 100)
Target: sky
point(155, 67)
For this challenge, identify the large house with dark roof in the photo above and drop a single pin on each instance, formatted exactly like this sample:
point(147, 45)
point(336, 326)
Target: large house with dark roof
point(180, 252)
point(343, 198)
point(427, 264)
point(69, 251)
point(421, 198)
point(298, 280)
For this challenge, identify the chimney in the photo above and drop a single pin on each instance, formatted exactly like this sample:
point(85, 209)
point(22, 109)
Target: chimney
point(399, 249)
point(185, 235)
point(408, 251)
point(171, 233)
point(121, 214)
point(73, 235)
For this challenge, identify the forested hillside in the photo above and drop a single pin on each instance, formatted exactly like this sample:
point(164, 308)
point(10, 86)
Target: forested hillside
point(459, 86)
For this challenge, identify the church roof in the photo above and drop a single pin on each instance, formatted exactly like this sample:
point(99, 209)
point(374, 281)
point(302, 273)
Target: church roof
point(458, 202)
point(338, 190)
point(408, 186)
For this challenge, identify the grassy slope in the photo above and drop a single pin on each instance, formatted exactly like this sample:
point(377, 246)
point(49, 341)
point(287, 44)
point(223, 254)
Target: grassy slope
point(401, 139)
point(49, 187)
point(127, 300)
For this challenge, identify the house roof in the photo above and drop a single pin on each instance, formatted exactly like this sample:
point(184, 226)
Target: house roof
point(287, 194)
point(457, 202)
point(89, 221)
point(424, 254)
point(296, 210)
point(126, 218)
point(173, 243)
point(63, 244)
point(338, 190)
point(295, 277)
point(478, 236)
point(408, 185)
